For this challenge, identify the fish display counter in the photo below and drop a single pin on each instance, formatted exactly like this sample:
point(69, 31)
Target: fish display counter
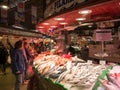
point(109, 79)
point(66, 72)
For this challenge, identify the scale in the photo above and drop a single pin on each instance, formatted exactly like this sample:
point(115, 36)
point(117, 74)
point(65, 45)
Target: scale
point(103, 35)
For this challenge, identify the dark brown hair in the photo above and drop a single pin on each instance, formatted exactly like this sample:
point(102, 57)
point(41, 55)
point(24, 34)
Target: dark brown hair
point(18, 44)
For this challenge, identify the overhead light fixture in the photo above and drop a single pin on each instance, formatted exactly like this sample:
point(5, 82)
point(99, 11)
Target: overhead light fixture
point(59, 19)
point(80, 19)
point(85, 12)
point(41, 27)
point(90, 26)
point(86, 24)
point(46, 23)
point(63, 23)
point(35, 30)
point(4, 7)
point(53, 26)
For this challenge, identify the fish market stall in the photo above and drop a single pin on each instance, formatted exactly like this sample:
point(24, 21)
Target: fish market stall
point(67, 72)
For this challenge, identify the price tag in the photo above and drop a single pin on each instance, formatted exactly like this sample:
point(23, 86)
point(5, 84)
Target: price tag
point(89, 61)
point(102, 62)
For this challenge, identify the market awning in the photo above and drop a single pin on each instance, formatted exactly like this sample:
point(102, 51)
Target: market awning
point(104, 11)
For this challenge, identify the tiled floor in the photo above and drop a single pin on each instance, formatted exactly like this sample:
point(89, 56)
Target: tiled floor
point(7, 81)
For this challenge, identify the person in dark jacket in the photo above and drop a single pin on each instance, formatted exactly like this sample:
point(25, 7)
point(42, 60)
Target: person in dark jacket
point(17, 64)
point(71, 50)
point(85, 53)
point(3, 57)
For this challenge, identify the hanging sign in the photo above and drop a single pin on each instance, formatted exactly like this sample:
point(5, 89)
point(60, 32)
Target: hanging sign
point(34, 14)
point(21, 6)
point(17, 22)
point(103, 35)
point(21, 10)
point(59, 5)
point(4, 15)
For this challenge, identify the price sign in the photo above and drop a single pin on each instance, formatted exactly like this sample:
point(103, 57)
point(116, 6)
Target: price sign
point(103, 35)
point(89, 61)
point(102, 62)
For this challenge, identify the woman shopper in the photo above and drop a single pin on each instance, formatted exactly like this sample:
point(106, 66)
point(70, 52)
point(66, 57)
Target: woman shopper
point(29, 58)
point(17, 64)
point(26, 59)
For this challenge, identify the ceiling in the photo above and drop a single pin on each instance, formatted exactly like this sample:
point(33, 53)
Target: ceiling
point(27, 24)
point(106, 11)
point(13, 3)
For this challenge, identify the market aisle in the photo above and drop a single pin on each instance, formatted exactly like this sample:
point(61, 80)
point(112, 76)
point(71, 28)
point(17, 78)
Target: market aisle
point(7, 81)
